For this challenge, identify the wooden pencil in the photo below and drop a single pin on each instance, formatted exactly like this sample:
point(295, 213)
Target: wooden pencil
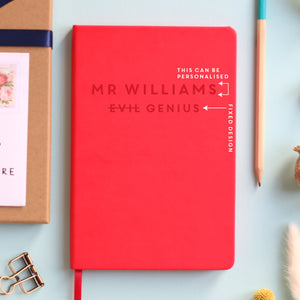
point(260, 90)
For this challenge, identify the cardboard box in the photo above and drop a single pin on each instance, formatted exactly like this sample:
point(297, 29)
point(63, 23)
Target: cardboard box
point(33, 14)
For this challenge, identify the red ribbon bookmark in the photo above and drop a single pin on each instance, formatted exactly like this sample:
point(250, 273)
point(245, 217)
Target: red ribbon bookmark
point(77, 284)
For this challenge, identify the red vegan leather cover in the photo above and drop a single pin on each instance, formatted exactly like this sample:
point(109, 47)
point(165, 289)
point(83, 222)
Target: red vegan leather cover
point(153, 148)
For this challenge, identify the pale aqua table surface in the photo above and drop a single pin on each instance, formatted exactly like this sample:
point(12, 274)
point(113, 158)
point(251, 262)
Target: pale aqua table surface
point(262, 214)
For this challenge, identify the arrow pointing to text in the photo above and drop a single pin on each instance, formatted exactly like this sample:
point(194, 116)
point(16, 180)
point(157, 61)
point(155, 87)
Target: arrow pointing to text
point(213, 107)
point(221, 83)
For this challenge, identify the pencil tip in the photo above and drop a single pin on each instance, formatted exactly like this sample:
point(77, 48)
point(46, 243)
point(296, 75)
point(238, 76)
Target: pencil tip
point(259, 184)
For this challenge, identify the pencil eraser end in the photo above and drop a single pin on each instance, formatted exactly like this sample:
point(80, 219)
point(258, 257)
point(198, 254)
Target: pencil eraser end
point(261, 9)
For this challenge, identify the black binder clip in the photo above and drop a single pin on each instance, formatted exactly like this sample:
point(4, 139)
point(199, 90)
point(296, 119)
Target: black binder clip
point(28, 269)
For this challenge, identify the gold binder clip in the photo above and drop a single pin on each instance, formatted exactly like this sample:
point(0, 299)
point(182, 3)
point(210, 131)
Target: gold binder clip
point(29, 268)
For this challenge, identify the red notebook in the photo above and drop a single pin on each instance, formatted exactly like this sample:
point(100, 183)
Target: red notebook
point(153, 148)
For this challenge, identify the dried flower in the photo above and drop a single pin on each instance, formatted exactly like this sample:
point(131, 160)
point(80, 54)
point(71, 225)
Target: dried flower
point(297, 167)
point(293, 251)
point(264, 294)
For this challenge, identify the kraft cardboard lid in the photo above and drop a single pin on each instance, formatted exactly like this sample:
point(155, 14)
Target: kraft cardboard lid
point(33, 14)
point(26, 14)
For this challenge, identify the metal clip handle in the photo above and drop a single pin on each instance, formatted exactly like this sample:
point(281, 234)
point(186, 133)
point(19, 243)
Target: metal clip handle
point(33, 276)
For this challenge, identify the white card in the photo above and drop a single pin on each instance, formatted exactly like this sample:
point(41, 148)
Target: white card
point(14, 90)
